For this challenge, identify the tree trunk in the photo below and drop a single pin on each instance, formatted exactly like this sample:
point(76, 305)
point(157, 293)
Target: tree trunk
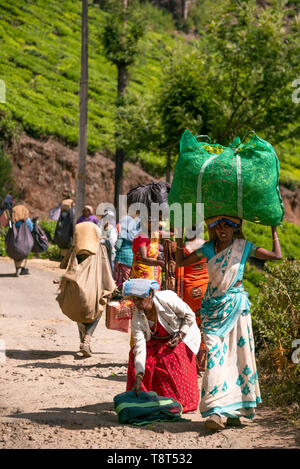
point(169, 168)
point(82, 141)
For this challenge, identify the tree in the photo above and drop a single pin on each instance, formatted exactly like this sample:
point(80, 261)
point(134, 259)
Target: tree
point(120, 39)
point(237, 77)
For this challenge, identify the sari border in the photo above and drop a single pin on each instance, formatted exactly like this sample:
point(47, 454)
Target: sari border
point(236, 406)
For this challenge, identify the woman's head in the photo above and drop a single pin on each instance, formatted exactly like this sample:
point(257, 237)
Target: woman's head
point(87, 211)
point(224, 228)
point(144, 304)
point(141, 292)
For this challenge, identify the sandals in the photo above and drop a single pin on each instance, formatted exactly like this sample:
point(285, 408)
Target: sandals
point(24, 271)
point(214, 422)
point(85, 348)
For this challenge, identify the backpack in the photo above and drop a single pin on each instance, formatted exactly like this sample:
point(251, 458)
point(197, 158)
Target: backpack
point(40, 239)
point(18, 242)
point(64, 230)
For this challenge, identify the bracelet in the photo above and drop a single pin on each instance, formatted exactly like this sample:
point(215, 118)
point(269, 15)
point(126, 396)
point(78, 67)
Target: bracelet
point(274, 239)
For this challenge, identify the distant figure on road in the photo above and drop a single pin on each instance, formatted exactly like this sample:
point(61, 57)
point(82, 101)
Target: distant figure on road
point(87, 215)
point(20, 214)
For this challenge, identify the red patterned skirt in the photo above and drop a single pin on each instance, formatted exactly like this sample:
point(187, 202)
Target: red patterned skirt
point(169, 372)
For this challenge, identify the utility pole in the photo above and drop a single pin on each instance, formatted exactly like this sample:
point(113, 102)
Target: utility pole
point(120, 152)
point(83, 110)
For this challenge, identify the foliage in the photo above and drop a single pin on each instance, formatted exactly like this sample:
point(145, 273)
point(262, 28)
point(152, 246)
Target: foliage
point(49, 227)
point(9, 128)
point(240, 79)
point(3, 231)
point(276, 323)
point(277, 315)
point(256, 63)
point(6, 178)
point(40, 63)
point(122, 31)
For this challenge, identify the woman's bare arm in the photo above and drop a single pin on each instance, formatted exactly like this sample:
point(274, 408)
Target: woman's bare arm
point(181, 260)
point(149, 260)
point(273, 255)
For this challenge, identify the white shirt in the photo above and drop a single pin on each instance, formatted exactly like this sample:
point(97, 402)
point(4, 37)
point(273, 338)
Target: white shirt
point(174, 315)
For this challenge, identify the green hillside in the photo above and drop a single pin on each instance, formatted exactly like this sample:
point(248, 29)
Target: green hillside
point(40, 64)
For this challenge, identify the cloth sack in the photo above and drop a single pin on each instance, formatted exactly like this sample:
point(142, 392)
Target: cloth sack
point(64, 230)
point(241, 180)
point(40, 239)
point(18, 242)
point(147, 408)
point(119, 314)
point(85, 288)
point(86, 238)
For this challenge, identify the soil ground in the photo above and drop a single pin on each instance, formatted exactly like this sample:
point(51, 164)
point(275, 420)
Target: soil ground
point(51, 398)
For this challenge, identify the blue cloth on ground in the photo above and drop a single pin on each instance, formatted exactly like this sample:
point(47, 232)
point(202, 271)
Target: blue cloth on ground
point(147, 408)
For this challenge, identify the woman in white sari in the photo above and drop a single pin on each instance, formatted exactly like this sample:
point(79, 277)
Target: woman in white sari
point(230, 387)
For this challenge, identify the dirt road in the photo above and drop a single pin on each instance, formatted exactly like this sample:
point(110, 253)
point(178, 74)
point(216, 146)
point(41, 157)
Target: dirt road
point(51, 398)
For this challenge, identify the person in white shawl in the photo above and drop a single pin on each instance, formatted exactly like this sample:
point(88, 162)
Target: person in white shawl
point(166, 340)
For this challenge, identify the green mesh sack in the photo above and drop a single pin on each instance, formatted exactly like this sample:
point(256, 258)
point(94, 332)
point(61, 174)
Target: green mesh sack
point(240, 180)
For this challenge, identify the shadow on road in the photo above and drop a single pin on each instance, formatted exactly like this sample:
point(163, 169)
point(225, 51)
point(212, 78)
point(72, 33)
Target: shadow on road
point(37, 354)
point(100, 415)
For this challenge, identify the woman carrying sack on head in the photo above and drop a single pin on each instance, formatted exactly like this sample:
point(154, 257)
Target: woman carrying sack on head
point(230, 387)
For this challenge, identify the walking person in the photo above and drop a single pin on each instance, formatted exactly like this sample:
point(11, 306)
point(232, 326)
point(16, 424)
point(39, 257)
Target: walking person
point(145, 247)
point(192, 282)
point(129, 229)
point(109, 232)
point(166, 339)
point(87, 283)
point(20, 215)
point(230, 387)
point(87, 215)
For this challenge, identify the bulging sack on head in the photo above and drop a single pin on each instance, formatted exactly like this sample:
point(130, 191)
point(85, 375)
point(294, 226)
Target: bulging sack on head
point(241, 180)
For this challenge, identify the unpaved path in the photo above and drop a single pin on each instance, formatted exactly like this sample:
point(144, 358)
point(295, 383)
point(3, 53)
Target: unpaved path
point(51, 398)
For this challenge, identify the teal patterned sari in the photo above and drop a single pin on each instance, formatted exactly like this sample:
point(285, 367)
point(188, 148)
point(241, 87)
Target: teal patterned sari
point(230, 384)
